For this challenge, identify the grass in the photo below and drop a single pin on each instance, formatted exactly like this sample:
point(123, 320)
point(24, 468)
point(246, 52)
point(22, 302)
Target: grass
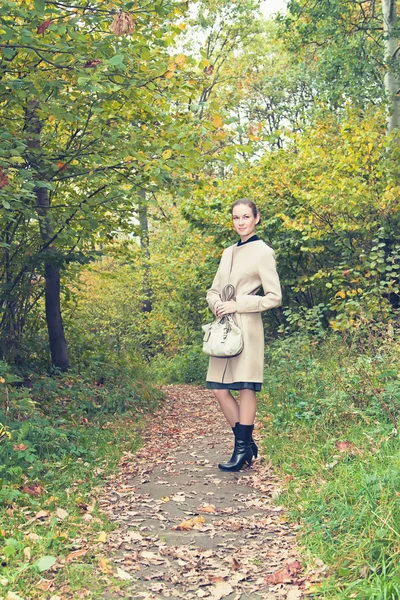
point(330, 436)
point(62, 448)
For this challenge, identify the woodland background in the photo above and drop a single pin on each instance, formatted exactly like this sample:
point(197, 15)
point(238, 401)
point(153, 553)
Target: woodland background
point(120, 155)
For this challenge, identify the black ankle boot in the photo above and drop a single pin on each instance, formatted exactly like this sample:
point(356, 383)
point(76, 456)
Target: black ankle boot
point(242, 452)
point(254, 446)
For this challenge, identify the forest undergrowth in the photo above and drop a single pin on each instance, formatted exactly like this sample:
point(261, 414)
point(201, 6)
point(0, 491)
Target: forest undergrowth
point(61, 436)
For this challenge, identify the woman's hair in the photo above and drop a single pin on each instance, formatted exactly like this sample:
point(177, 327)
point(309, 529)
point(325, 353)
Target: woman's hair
point(250, 204)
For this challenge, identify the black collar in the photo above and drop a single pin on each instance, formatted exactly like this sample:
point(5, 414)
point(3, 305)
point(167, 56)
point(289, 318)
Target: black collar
point(253, 238)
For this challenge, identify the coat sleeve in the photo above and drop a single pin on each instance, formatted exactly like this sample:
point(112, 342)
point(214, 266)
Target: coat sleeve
point(214, 293)
point(271, 286)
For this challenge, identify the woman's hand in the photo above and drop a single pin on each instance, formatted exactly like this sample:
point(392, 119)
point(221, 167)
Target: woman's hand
point(225, 308)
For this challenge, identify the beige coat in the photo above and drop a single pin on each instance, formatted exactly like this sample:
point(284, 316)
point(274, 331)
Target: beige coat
point(253, 266)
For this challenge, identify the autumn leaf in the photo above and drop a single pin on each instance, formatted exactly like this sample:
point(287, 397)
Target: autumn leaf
point(190, 524)
point(344, 446)
point(102, 537)
point(280, 576)
point(92, 63)
point(207, 508)
point(3, 183)
point(217, 121)
point(104, 565)
point(33, 489)
point(20, 447)
point(76, 554)
point(61, 514)
point(121, 574)
point(180, 59)
point(43, 26)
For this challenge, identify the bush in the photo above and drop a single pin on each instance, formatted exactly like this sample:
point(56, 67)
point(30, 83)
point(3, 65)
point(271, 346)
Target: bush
point(329, 417)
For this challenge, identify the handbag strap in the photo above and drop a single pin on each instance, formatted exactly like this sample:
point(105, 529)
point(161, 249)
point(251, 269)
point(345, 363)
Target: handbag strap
point(227, 293)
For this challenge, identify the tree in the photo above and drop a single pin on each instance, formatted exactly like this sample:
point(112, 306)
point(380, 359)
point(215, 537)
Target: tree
point(89, 120)
point(392, 79)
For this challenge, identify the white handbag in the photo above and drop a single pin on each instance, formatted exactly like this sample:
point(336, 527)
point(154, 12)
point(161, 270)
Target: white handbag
point(223, 338)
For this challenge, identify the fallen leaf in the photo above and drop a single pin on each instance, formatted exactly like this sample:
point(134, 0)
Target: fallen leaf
point(294, 594)
point(189, 524)
point(33, 536)
point(33, 489)
point(75, 554)
point(280, 576)
point(343, 446)
point(102, 537)
point(61, 514)
point(207, 508)
point(45, 563)
point(294, 567)
point(121, 574)
point(104, 565)
point(220, 590)
point(27, 553)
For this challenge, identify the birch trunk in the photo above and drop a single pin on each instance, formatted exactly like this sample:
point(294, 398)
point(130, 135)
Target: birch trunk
point(392, 58)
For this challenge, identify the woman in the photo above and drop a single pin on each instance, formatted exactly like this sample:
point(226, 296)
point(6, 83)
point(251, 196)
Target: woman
point(247, 265)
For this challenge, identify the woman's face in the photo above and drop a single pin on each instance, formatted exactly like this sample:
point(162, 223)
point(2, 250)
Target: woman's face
point(244, 221)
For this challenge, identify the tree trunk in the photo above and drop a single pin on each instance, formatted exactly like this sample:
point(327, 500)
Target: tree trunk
point(57, 341)
point(144, 243)
point(392, 58)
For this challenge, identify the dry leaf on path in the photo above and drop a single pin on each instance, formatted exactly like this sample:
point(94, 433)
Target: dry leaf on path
point(294, 594)
point(190, 524)
point(207, 508)
point(221, 590)
point(121, 574)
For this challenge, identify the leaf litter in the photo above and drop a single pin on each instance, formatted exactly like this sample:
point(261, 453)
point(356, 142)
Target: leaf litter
point(187, 530)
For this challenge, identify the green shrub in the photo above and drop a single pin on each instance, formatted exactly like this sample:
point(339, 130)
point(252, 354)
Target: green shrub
point(329, 418)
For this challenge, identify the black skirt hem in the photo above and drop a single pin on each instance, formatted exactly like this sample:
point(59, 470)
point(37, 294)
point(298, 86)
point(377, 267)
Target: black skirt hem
point(236, 385)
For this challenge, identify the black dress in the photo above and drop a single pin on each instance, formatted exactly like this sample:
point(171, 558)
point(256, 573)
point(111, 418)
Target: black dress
point(237, 385)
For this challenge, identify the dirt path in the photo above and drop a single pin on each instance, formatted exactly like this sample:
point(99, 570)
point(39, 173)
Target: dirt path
point(188, 530)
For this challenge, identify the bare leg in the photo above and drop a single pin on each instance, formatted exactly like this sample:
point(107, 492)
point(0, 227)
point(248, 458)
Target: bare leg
point(228, 405)
point(248, 407)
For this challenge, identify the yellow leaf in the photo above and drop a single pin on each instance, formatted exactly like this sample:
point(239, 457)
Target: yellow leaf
point(2, 380)
point(341, 294)
point(217, 121)
point(104, 565)
point(180, 59)
point(166, 154)
point(169, 74)
point(102, 537)
point(171, 66)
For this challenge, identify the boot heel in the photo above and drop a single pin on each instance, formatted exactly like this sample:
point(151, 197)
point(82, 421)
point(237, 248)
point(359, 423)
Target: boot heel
point(254, 447)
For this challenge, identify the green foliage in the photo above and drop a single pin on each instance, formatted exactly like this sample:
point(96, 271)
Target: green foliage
point(328, 202)
point(188, 366)
point(340, 43)
point(56, 417)
point(328, 427)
